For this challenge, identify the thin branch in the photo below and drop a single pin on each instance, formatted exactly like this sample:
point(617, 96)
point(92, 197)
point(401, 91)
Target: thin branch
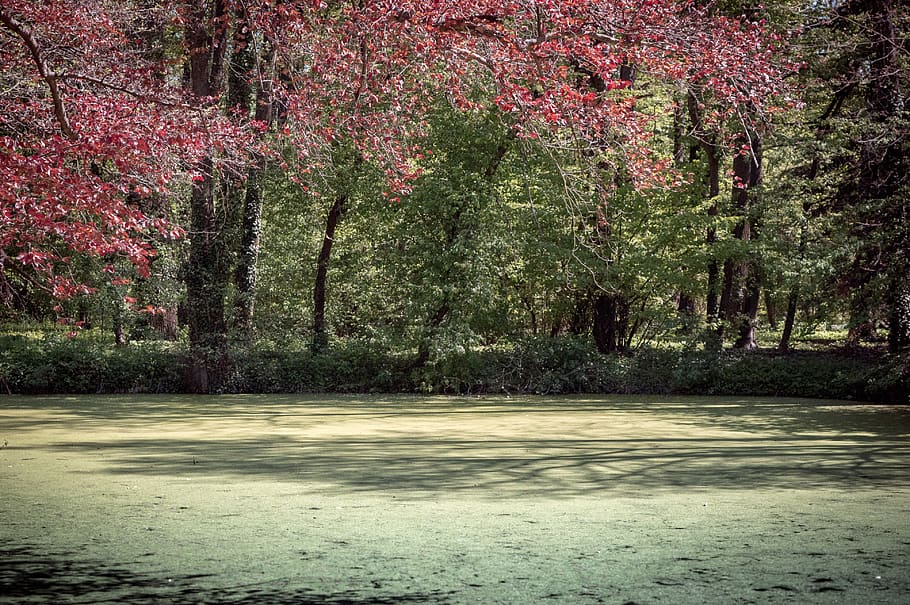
point(50, 78)
point(116, 87)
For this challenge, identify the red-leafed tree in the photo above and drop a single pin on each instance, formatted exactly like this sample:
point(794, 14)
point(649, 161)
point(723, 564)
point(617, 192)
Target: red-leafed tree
point(97, 118)
point(90, 138)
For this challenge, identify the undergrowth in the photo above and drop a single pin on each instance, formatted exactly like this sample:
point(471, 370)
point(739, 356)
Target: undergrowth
point(543, 366)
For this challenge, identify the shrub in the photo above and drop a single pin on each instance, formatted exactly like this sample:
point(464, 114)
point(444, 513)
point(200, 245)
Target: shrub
point(797, 375)
point(85, 366)
point(536, 365)
point(890, 380)
point(348, 368)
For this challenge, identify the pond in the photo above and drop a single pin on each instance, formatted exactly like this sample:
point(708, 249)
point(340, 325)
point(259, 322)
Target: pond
point(328, 499)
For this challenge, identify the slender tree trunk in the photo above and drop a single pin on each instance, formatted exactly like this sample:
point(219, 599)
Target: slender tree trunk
point(707, 141)
point(245, 65)
point(715, 334)
point(770, 309)
point(741, 293)
point(320, 333)
point(748, 315)
point(246, 273)
point(789, 320)
point(686, 301)
point(793, 297)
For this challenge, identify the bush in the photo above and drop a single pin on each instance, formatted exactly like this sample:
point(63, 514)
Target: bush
point(890, 381)
point(653, 371)
point(538, 365)
point(349, 368)
point(83, 366)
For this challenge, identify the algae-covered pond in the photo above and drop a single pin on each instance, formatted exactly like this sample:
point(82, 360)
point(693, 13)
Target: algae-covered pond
point(345, 500)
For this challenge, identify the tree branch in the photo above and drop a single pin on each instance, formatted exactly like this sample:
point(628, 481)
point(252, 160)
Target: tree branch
point(132, 93)
point(50, 78)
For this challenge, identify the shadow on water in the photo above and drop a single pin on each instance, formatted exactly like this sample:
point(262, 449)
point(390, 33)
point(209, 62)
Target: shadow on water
point(509, 468)
point(784, 415)
point(714, 443)
point(28, 575)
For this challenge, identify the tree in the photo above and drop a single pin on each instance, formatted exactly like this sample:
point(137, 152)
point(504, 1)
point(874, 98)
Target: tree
point(114, 115)
point(848, 161)
point(88, 137)
point(880, 188)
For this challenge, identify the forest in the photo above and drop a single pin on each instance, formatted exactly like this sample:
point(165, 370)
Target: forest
point(665, 196)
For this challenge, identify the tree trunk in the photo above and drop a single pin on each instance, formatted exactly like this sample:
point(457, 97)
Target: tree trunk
point(611, 323)
point(770, 309)
point(714, 335)
point(246, 273)
point(243, 65)
point(685, 305)
point(748, 315)
point(605, 323)
point(686, 301)
point(793, 297)
point(883, 166)
point(320, 333)
point(685, 313)
point(207, 274)
point(423, 349)
point(789, 321)
point(884, 95)
point(741, 293)
point(206, 285)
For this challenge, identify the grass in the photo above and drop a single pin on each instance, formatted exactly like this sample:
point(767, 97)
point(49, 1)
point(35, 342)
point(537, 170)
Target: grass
point(315, 499)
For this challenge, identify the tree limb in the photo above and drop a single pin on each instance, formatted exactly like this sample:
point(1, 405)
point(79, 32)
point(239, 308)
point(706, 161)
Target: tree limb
point(50, 78)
